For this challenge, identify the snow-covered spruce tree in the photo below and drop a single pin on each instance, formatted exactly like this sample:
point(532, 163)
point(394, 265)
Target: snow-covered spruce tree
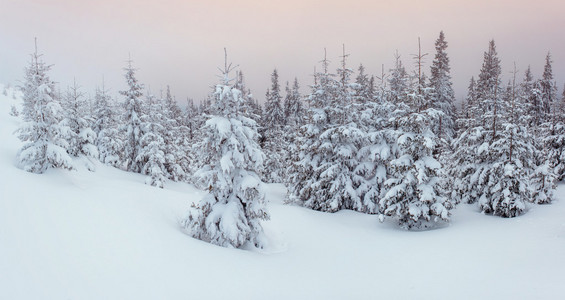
point(131, 120)
point(416, 186)
point(190, 119)
point(294, 116)
point(548, 90)
point(529, 114)
point(466, 118)
point(175, 138)
point(108, 139)
point(543, 178)
point(398, 82)
point(530, 92)
point(470, 159)
point(272, 125)
point(321, 178)
point(251, 108)
point(42, 131)
point(555, 143)
point(231, 213)
point(377, 149)
point(363, 88)
point(498, 173)
point(512, 164)
point(552, 144)
point(343, 141)
point(489, 91)
point(82, 138)
point(440, 81)
point(151, 155)
point(293, 109)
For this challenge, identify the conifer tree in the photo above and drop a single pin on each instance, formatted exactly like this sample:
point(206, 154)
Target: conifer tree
point(548, 90)
point(495, 163)
point(531, 94)
point(132, 120)
point(554, 144)
point(293, 108)
point(231, 214)
point(470, 159)
point(251, 108)
point(191, 115)
point(175, 139)
point(440, 81)
point(108, 138)
point(42, 131)
point(468, 114)
point(272, 134)
point(363, 88)
point(322, 176)
point(398, 82)
point(81, 138)
point(377, 148)
point(151, 155)
point(415, 190)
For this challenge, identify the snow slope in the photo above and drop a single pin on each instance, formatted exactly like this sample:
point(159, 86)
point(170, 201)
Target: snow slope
point(107, 235)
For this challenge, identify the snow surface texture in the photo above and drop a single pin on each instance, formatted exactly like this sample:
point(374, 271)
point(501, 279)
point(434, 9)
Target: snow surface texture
point(107, 235)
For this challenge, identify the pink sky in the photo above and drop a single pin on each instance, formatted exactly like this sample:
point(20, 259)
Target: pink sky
point(180, 43)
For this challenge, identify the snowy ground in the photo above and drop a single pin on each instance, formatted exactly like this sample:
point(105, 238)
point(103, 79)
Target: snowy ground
point(106, 235)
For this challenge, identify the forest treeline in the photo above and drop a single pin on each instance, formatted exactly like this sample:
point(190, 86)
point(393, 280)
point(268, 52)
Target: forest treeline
point(393, 145)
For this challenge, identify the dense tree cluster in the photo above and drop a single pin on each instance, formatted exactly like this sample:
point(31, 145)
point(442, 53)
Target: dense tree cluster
point(392, 145)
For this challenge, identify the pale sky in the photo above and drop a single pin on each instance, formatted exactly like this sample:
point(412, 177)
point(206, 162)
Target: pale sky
point(180, 43)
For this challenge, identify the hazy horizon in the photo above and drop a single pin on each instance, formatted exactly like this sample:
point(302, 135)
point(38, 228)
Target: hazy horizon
point(180, 43)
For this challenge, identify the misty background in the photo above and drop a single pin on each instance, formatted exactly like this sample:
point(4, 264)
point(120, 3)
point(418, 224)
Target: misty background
point(180, 43)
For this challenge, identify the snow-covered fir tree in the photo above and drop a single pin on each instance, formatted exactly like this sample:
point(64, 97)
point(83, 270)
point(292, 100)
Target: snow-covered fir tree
point(530, 92)
point(82, 138)
point(43, 133)
point(548, 90)
point(466, 119)
point(398, 81)
point(363, 88)
point(489, 89)
point(321, 177)
point(552, 142)
point(132, 120)
point(494, 162)
point(272, 125)
point(510, 154)
point(444, 97)
point(375, 153)
point(293, 108)
point(556, 142)
point(294, 116)
point(175, 138)
point(190, 120)
point(106, 121)
point(231, 214)
point(151, 155)
point(415, 190)
point(251, 108)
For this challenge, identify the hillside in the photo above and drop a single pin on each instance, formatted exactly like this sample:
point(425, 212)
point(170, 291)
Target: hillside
point(107, 235)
